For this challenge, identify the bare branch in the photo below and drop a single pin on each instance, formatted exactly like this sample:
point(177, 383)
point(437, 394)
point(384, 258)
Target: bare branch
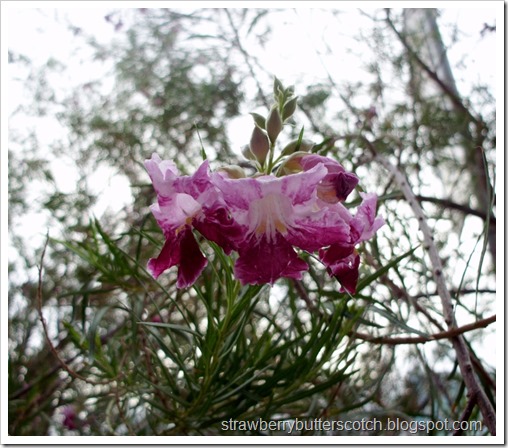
point(463, 357)
point(424, 339)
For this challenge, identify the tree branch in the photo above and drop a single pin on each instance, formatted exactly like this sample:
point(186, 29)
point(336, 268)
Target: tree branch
point(463, 357)
point(423, 339)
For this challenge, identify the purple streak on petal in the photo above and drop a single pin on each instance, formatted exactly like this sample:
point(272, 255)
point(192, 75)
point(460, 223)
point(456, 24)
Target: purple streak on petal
point(346, 272)
point(325, 229)
point(311, 160)
point(335, 253)
point(180, 249)
point(344, 183)
point(168, 257)
point(196, 184)
point(342, 262)
point(261, 262)
point(220, 228)
point(192, 261)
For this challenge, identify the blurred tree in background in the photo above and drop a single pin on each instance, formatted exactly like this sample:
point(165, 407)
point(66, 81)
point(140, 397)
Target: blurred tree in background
point(129, 355)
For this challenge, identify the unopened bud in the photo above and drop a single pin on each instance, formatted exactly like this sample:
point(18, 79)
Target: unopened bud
point(259, 120)
point(233, 171)
point(259, 145)
point(292, 164)
point(247, 153)
point(292, 146)
point(278, 88)
point(289, 108)
point(273, 124)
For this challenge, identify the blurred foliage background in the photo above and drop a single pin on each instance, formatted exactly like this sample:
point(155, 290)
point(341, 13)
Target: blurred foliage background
point(133, 356)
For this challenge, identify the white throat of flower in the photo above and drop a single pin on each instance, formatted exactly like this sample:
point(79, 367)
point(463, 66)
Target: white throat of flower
point(269, 215)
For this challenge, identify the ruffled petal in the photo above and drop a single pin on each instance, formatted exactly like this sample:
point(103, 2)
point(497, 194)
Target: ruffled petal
point(176, 211)
point(179, 249)
point(192, 261)
point(316, 232)
point(337, 184)
point(342, 262)
point(262, 262)
point(163, 174)
point(365, 224)
point(218, 226)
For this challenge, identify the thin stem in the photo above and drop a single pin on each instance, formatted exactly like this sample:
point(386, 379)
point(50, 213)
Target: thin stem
point(424, 339)
point(45, 328)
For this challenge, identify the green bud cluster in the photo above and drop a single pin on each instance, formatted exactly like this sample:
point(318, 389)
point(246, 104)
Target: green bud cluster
point(267, 129)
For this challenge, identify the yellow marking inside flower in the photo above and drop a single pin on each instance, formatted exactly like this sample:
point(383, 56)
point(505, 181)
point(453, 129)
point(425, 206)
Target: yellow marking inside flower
point(270, 215)
point(279, 225)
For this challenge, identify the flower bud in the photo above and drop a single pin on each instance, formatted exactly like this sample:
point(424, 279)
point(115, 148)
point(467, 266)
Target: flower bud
point(233, 171)
point(247, 153)
point(278, 88)
point(259, 145)
point(259, 120)
point(292, 164)
point(292, 146)
point(273, 124)
point(289, 108)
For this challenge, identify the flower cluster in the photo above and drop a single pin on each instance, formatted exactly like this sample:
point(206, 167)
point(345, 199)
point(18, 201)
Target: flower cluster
point(263, 218)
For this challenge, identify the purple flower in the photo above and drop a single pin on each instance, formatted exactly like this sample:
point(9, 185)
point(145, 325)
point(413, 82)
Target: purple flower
point(69, 414)
point(184, 203)
point(277, 214)
point(263, 218)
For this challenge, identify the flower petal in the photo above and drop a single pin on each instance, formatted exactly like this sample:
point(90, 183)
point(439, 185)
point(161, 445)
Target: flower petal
point(342, 262)
point(337, 184)
point(192, 261)
point(265, 262)
point(218, 226)
point(365, 224)
point(180, 249)
point(173, 212)
point(163, 174)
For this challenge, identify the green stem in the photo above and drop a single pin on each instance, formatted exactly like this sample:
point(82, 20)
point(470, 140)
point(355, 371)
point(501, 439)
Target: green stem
point(270, 160)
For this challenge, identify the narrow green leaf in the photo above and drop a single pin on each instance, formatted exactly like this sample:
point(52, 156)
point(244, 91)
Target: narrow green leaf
point(371, 278)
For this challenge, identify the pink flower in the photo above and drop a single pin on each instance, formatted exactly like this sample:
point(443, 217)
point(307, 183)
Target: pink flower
point(276, 215)
point(69, 414)
point(184, 203)
point(263, 218)
point(303, 210)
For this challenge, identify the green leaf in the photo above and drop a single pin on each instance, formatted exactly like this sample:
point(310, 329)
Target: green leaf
point(371, 278)
point(92, 331)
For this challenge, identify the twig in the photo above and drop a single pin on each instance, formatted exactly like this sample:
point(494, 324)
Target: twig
point(451, 204)
point(457, 102)
point(423, 339)
point(45, 328)
point(459, 345)
point(246, 57)
point(471, 403)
